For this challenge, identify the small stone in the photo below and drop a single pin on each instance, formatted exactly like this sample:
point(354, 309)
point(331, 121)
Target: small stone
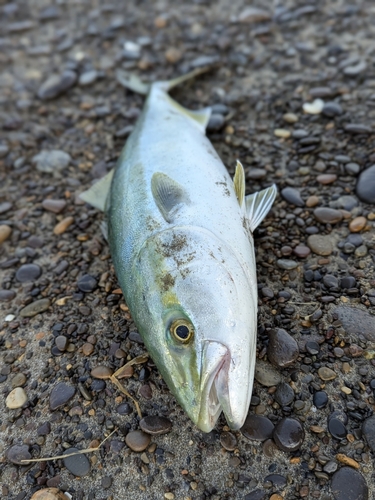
point(5, 207)
point(216, 122)
point(358, 128)
point(292, 196)
point(282, 349)
point(284, 394)
point(106, 482)
point(257, 428)
point(169, 495)
point(266, 374)
point(102, 372)
point(368, 429)
point(356, 321)
point(282, 133)
point(87, 349)
point(16, 398)
point(314, 108)
point(57, 85)
point(337, 428)
point(63, 225)
point(44, 429)
point(332, 109)
point(312, 201)
point(88, 78)
point(320, 399)
point(326, 373)
point(18, 380)
point(355, 69)
point(55, 206)
point(290, 118)
point(155, 425)
point(16, 454)
point(36, 307)
point(352, 168)
point(348, 484)
point(49, 494)
point(137, 440)
point(365, 188)
point(60, 395)
point(51, 161)
point(288, 434)
point(173, 55)
point(87, 283)
point(327, 215)
point(357, 224)
point(28, 272)
point(5, 232)
point(61, 342)
point(256, 174)
point(286, 264)
point(344, 459)
point(320, 244)
point(7, 295)
point(326, 179)
point(301, 251)
point(78, 465)
point(257, 494)
point(228, 441)
point(254, 15)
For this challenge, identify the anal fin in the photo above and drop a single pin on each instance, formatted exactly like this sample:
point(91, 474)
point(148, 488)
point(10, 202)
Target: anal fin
point(98, 193)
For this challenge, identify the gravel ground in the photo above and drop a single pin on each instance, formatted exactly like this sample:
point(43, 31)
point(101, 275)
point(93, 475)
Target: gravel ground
point(294, 100)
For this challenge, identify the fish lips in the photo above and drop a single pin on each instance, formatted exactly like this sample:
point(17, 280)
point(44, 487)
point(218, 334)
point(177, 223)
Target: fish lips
point(223, 388)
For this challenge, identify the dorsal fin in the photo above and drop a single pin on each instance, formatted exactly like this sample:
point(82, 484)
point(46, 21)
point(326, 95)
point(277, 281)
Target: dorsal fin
point(168, 194)
point(239, 183)
point(259, 204)
point(98, 193)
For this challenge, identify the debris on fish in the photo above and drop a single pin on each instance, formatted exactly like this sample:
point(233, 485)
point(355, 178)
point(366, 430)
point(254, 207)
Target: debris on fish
point(180, 235)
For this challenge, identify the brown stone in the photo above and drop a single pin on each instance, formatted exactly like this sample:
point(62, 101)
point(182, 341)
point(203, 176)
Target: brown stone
point(102, 372)
point(5, 232)
point(87, 349)
point(312, 201)
point(63, 225)
point(357, 224)
point(326, 178)
point(137, 440)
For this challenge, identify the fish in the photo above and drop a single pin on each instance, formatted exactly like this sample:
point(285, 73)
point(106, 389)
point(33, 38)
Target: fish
point(180, 232)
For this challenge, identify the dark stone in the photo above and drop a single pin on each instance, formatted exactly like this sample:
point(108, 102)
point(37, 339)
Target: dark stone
point(154, 424)
point(257, 428)
point(28, 272)
point(365, 188)
point(216, 122)
point(337, 428)
point(292, 196)
point(257, 495)
point(357, 128)
point(320, 399)
point(288, 434)
point(7, 295)
point(282, 349)
point(348, 484)
point(87, 283)
point(276, 479)
point(332, 109)
point(61, 342)
point(106, 482)
point(368, 429)
point(44, 429)
point(284, 394)
point(312, 347)
point(356, 321)
point(57, 84)
point(16, 454)
point(78, 465)
point(124, 409)
point(348, 282)
point(60, 395)
point(330, 281)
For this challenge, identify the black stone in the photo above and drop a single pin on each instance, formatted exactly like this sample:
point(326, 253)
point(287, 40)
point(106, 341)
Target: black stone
point(154, 424)
point(28, 272)
point(16, 454)
point(348, 282)
point(276, 479)
point(332, 109)
point(87, 283)
point(124, 409)
point(288, 434)
point(320, 399)
point(257, 428)
point(60, 395)
point(78, 465)
point(312, 347)
point(44, 429)
point(348, 484)
point(284, 394)
point(337, 428)
point(7, 295)
point(368, 429)
point(365, 188)
point(257, 495)
point(292, 196)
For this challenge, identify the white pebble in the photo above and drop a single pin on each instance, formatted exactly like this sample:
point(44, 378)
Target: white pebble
point(16, 398)
point(9, 318)
point(313, 108)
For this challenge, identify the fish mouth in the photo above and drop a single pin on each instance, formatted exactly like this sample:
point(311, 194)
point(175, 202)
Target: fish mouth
point(215, 373)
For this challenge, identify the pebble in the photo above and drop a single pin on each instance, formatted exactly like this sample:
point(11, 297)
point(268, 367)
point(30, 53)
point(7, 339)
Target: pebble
point(155, 425)
point(18, 380)
point(56, 85)
point(228, 441)
point(368, 429)
point(266, 374)
point(256, 173)
point(365, 188)
point(356, 321)
point(49, 494)
point(88, 77)
point(332, 109)
point(327, 215)
point(357, 224)
point(78, 465)
point(7, 295)
point(320, 399)
point(257, 494)
point(282, 133)
point(5, 232)
point(87, 349)
point(320, 244)
point(28, 272)
point(173, 55)
point(326, 179)
point(301, 251)
point(284, 394)
point(63, 225)
point(292, 196)
point(4, 150)
point(326, 373)
point(106, 482)
point(286, 264)
point(36, 307)
point(337, 428)
point(5, 207)
point(355, 69)
point(216, 122)
point(357, 128)
point(51, 161)
point(290, 118)
point(55, 206)
point(44, 429)
point(344, 459)
point(102, 372)
point(60, 395)
point(257, 428)
point(17, 453)
point(137, 440)
point(254, 15)
point(288, 434)
point(282, 349)
point(16, 398)
point(61, 343)
point(348, 484)
point(312, 201)
point(87, 283)
point(352, 168)
point(313, 108)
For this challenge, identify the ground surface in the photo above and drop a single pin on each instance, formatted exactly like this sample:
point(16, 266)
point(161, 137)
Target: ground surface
point(321, 291)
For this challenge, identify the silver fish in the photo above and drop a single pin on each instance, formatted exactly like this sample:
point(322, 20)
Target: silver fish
point(180, 235)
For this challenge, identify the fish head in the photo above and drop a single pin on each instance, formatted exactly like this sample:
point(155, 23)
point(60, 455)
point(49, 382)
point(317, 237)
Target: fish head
point(199, 325)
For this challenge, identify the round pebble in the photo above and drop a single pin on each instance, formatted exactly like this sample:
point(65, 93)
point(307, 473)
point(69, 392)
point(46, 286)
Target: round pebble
point(284, 394)
point(312, 201)
point(292, 196)
point(266, 374)
point(288, 434)
point(290, 118)
point(51, 161)
point(137, 440)
point(102, 372)
point(228, 441)
point(257, 428)
point(78, 465)
point(154, 424)
point(327, 215)
point(28, 272)
point(57, 84)
point(320, 399)
point(326, 373)
point(87, 349)
point(36, 307)
point(332, 109)
point(60, 395)
point(16, 398)
point(326, 179)
point(349, 484)
point(61, 342)
point(286, 264)
point(337, 428)
point(301, 251)
point(5, 232)
point(18, 380)
point(7, 295)
point(55, 206)
point(87, 283)
point(368, 429)
point(49, 494)
point(320, 244)
point(282, 133)
point(313, 108)
point(357, 224)
point(17, 453)
point(282, 349)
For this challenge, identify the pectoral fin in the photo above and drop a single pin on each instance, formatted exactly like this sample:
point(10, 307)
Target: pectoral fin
point(168, 194)
point(258, 205)
point(98, 193)
point(239, 183)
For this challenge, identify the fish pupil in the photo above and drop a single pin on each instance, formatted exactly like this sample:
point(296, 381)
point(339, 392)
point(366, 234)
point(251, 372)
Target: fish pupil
point(183, 332)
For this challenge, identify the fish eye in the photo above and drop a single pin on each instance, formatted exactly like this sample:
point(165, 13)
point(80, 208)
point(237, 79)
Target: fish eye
point(182, 330)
